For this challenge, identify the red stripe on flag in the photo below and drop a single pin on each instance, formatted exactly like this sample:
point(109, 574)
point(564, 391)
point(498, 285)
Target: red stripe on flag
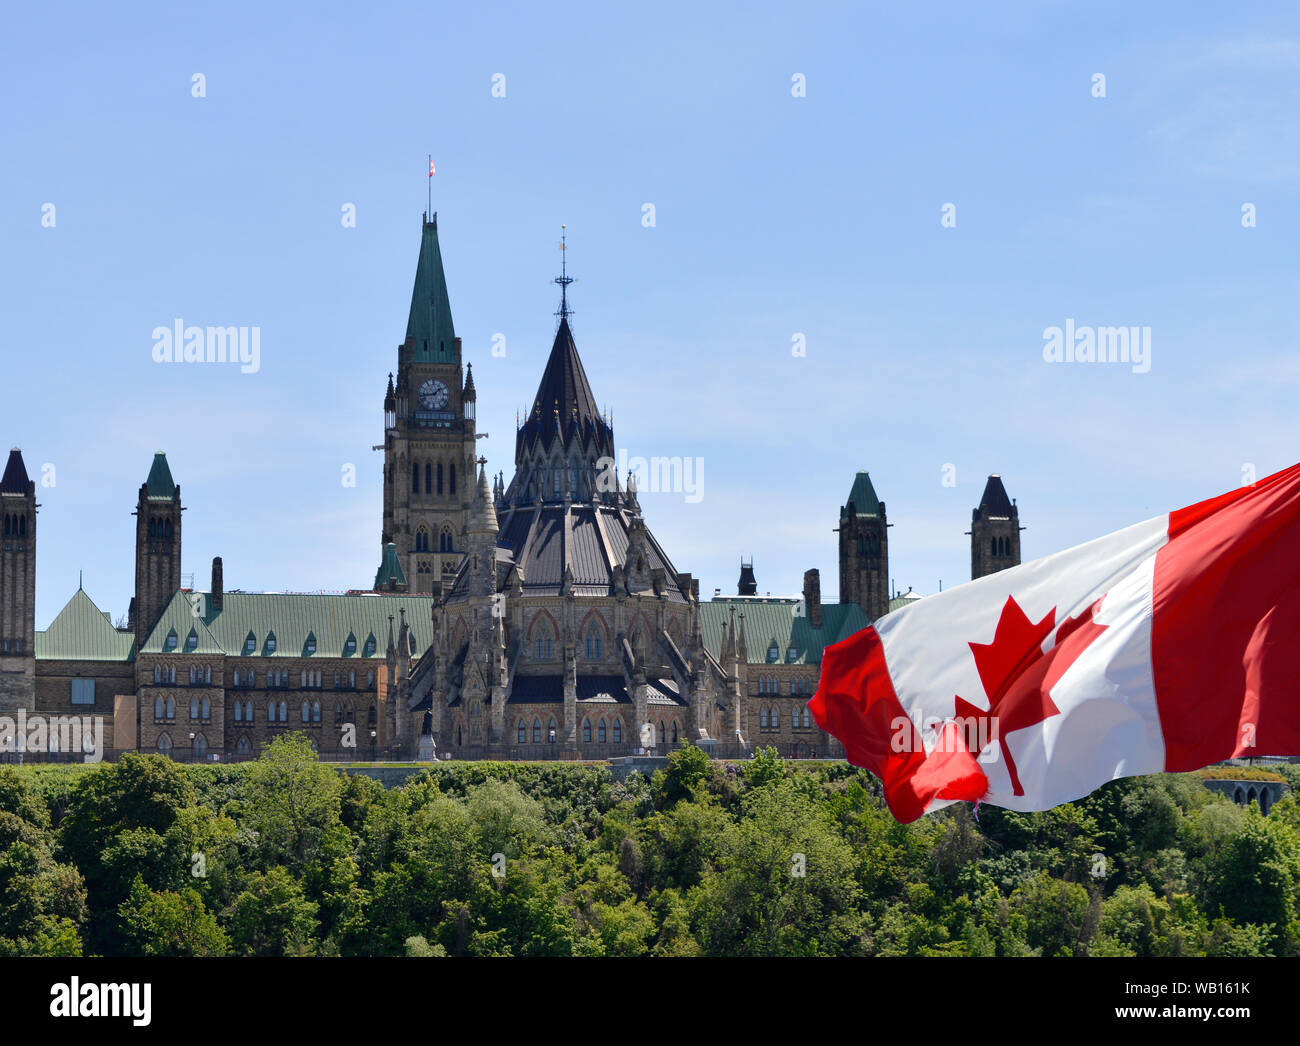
point(855, 701)
point(1225, 644)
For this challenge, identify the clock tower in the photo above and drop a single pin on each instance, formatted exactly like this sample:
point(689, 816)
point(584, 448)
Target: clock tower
point(429, 440)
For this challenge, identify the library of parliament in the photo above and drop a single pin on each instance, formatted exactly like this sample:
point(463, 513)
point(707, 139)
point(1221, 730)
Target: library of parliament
point(536, 618)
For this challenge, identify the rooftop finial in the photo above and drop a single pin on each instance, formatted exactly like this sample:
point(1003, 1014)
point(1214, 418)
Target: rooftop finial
point(564, 279)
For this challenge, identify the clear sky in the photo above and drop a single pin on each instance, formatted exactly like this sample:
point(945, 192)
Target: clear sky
point(774, 216)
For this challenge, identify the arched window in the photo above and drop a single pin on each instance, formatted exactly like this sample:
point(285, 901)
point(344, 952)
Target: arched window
point(164, 744)
point(270, 711)
point(315, 711)
point(373, 716)
point(157, 707)
point(306, 712)
point(550, 731)
point(422, 540)
point(762, 719)
point(205, 709)
point(194, 707)
point(807, 717)
point(284, 711)
point(446, 543)
point(171, 708)
point(545, 646)
point(440, 477)
point(248, 711)
point(453, 477)
point(593, 643)
point(428, 475)
point(600, 736)
point(415, 478)
point(523, 732)
point(200, 746)
point(157, 675)
point(537, 731)
point(239, 711)
point(661, 733)
point(242, 748)
point(794, 718)
point(618, 731)
point(674, 731)
point(586, 731)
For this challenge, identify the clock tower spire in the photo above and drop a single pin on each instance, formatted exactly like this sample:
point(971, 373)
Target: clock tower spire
point(429, 434)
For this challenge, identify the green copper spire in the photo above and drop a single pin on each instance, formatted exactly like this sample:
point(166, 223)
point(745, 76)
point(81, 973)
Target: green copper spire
point(160, 483)
point(429, 325)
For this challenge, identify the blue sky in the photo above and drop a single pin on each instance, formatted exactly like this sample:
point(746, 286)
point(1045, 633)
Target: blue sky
point(774, 216)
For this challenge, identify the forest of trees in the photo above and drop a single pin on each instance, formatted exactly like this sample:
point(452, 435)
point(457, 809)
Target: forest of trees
point(288, 856)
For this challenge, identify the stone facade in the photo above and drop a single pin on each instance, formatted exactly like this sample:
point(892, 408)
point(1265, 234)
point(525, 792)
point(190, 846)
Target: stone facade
point(17, 587)
point(994, 531)
point(864, 549)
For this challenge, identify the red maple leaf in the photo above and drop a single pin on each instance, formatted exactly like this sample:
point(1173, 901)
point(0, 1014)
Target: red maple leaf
point(1018, 676)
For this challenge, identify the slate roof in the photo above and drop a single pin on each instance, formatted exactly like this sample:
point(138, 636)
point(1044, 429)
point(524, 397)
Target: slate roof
point(429, 323)
point(774, 618)
point(564, 407)
point(994, 503)
point(291, 619)
point(83, 632)
point(863, 497)
point(904, 600)
point(591, 539)
point(14, 480)
point(390, 569)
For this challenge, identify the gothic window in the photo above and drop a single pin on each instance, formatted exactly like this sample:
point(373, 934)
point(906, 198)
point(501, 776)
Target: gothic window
point(171, 708)
point(239, 711)
point(270, 711)
point(164, 744)
point(618, 731)
point(415, 478)
point(573, 479)
point(422, 540)
point(593, 644)
point(157, 675)
point(372, 717)
point(439, 477)
point(762, 719)
point(446, 542)
point(200, 746)
point(586, 731)
point(284, 711)
point(242, 748)
point(523, 732)
point(428, 478)
point(661, 733)
point(306, 712)
point(674, 731)
point(453, 477)
point(600, 736)
point(558, 475)
point(168, 531)
point(157, 707)
point(550, 731)
point(248, 711)
point(537, 731)
point(194, 708)
point(807, 718)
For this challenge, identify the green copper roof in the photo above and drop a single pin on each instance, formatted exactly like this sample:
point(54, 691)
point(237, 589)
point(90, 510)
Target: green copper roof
point(863, 496)
point(767, 619)
point(82, 632)
point(429, 324)
point(390, 574)
point(160, 483)
point(290, 619)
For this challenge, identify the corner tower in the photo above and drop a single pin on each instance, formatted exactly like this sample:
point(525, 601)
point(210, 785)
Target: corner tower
point(429, 438)
point(864, 550)
point(157, 547)
point(17, 587)
point(994, 531)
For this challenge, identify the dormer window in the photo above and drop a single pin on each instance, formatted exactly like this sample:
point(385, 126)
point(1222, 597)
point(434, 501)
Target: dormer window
point(773, 652)
point(310, 647)
point(350, 647)
point(270, 643)
point(792, 654)
point(191, 642)
point(169, 645)
point(370, 647)
point(250, 644)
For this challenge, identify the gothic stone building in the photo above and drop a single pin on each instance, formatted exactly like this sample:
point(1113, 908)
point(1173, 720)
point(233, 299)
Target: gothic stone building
point(538, 618)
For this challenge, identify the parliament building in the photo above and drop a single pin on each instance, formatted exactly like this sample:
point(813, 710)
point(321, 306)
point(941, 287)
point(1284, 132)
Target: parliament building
point(536, 618)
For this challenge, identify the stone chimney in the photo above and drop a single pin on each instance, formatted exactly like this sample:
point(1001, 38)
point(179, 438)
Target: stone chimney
point(219, 585)
point(812, 596)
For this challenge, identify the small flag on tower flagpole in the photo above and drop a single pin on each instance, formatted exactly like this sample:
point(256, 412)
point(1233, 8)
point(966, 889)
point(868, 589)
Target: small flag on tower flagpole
point(430, 166)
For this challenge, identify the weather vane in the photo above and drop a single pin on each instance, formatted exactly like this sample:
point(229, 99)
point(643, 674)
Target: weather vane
point(564, 279)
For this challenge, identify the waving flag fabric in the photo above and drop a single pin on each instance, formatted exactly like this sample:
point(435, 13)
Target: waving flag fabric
point(1166, 646)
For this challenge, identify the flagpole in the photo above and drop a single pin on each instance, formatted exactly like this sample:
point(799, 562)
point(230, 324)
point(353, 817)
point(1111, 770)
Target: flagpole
point(431, 187)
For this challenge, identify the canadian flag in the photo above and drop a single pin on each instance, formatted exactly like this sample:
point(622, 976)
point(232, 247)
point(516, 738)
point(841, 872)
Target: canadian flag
point(1166, 646)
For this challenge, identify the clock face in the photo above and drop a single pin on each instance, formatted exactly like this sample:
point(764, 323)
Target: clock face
point(433, 395)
